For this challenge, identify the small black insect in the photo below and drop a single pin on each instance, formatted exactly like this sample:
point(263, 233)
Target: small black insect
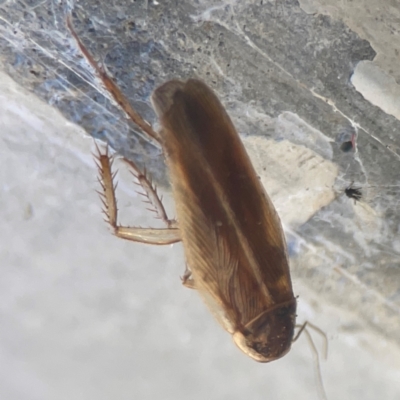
point(353, 192)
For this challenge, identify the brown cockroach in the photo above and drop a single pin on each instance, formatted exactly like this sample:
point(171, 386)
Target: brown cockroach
point(232, 236)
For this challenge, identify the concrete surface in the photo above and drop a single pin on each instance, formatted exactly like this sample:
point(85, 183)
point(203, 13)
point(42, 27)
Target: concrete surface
point(87, 316)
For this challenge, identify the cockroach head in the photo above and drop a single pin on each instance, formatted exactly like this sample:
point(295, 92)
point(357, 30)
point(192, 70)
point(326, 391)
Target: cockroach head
point(269, 336)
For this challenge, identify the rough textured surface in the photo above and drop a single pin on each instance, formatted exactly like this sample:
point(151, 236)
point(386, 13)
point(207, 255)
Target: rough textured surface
point(303, 83)
point(378, 87)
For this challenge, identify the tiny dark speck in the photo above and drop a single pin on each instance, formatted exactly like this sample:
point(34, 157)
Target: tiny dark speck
point(346, 146)
point(353, 192)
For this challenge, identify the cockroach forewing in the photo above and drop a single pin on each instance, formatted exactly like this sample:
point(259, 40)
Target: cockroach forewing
point(233, 239)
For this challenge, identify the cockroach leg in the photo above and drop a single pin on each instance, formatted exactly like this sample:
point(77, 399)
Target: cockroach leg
point(187, 279)
point(144, 235)
point(151, 194)
point(113, 89)
point(164, 236)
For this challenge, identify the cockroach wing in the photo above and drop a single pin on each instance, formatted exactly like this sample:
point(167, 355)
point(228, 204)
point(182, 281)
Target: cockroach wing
point(232, 236)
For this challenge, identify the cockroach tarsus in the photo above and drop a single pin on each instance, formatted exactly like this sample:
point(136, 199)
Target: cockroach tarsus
point(232, 235)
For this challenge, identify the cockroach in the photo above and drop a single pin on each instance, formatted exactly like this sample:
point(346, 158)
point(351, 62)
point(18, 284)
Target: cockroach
point(232, 236)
